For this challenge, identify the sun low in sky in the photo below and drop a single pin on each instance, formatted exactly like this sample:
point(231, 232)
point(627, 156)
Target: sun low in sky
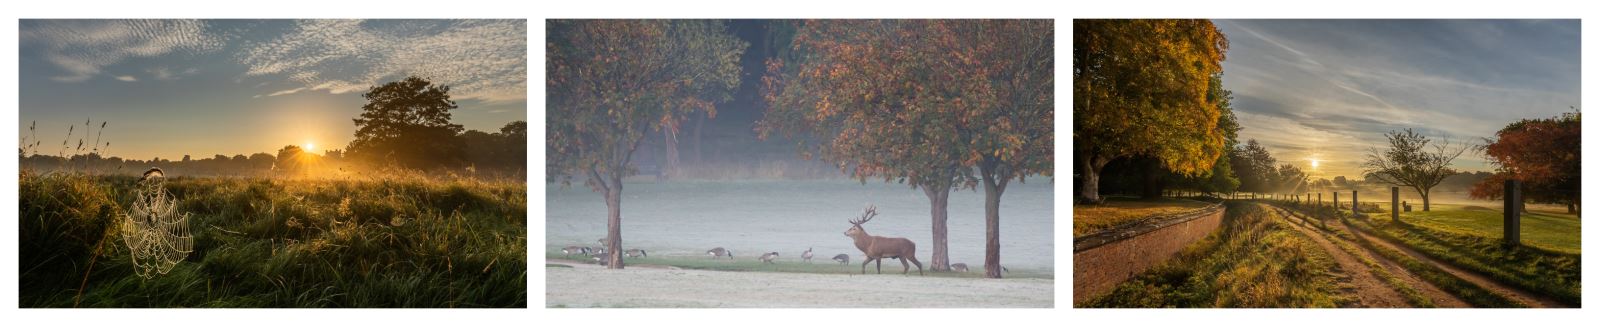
point(1327, 90)
point(169, 88)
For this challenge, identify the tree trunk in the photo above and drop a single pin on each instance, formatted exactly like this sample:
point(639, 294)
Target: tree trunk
point(614, 222)
point(1424, 201)
point(1090, 190)
point(993, 187)
point(939, 203)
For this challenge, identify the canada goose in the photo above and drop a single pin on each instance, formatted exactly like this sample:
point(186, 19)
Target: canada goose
point(806, 255)
point(635, 253)
point(959, 267)
point(571, 250)
point(720, 252)
point(598, 251)
point(767, 258)
point(603, 260)
point(843, 259)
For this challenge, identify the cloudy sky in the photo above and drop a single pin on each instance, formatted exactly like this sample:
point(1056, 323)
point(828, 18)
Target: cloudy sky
point(1328, 89)
point(174, 87)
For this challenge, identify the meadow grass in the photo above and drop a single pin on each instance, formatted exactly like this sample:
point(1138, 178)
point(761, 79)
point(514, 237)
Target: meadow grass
point(1117, 211)
point(795, 265)
point(260, 242)
point(1253, 260)
point(1542, 229)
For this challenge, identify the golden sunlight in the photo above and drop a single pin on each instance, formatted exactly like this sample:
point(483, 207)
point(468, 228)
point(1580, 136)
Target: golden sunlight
point(1313, 161)
point(313, 146)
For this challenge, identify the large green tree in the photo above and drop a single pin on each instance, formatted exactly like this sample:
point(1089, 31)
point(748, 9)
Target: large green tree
point(1143, 87)
point(1542, 153)
point(407, 123)
point(922, 102)
point(609, 83)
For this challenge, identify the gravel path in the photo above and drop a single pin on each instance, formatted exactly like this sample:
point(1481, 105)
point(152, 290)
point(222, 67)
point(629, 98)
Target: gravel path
point(584, 286)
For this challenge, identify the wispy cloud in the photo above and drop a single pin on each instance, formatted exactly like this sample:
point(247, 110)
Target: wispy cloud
point(1331, 88)
point(127, 78)
point(82, 48)
point(479, 59)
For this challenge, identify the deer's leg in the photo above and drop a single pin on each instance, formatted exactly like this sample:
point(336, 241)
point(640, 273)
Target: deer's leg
point(904, 267)
point(864, 265)
point(880, 265)
point(919, 266)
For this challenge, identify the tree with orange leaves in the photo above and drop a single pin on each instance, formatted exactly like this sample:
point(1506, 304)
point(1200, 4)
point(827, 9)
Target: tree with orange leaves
point(611, 82)
point(935, 104)
point(1543, 154)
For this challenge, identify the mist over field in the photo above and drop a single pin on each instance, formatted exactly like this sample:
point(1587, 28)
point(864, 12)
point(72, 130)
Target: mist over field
point(750, 217)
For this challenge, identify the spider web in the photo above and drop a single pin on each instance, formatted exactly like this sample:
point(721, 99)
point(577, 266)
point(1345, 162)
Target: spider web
point(157, 235)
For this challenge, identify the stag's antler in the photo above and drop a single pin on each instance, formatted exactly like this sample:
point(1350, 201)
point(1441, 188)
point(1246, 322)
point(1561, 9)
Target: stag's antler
point(866, 215)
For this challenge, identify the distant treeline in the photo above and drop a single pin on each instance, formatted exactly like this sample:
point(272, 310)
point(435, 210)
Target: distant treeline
point(498, 154)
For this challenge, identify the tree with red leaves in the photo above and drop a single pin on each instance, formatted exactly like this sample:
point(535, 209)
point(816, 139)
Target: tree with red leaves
point(1543, 154)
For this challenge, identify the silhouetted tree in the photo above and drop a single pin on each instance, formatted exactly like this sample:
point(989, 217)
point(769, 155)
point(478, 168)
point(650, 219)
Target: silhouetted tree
point(407, 123)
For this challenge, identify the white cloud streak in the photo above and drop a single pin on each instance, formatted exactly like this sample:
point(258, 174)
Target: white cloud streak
point(480, 59)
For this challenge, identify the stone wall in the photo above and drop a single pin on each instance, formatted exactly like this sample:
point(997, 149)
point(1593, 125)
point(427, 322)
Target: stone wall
point(1102, 260)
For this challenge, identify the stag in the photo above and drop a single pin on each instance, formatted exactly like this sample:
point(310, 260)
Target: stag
point(875, 248)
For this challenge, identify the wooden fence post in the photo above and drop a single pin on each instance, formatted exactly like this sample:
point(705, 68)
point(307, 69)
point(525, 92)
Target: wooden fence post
point(1513, 216)
point(1394, 203)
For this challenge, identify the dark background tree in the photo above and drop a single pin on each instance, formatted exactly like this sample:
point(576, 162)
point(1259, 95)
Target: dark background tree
point(506, 150)
point(1143, 87)
point(407, 123)
point(612, 82)
point(1411, 162)
point(1542, 153)
point(290, 160)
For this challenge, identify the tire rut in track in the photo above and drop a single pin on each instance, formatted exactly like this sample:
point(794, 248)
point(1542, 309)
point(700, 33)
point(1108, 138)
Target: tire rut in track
point(1368, 288)
point(1515, 294)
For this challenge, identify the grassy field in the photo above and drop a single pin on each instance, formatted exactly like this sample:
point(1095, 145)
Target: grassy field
point(1253, 260)
point(396, 242)
point(1090, 218)
point(1552, 273)
point(795, 265)
point(1543, 229)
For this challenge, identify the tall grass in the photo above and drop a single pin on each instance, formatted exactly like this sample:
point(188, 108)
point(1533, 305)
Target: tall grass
point(389, 242)
point(1251, 261)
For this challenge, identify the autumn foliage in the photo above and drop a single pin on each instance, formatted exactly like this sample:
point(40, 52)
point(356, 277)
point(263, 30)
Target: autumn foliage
point(1542, 153)
point(1142, 87)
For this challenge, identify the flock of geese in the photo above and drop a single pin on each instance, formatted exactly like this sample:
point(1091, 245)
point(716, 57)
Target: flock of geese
point(599, 256)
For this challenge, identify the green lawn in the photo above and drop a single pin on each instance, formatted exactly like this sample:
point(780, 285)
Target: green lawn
point(1252, 261)
point(1552, 231)
point(1116, 211)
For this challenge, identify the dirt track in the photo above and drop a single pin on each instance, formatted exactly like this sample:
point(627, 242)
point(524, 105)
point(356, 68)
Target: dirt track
point(1361, 282)
point(1440, 298)
point(585, 286)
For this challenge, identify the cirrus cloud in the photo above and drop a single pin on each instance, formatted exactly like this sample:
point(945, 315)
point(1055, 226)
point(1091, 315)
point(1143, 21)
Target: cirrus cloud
point(480, 59)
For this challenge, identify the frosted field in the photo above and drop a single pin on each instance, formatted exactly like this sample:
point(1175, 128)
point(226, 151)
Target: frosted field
point(753, 217)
